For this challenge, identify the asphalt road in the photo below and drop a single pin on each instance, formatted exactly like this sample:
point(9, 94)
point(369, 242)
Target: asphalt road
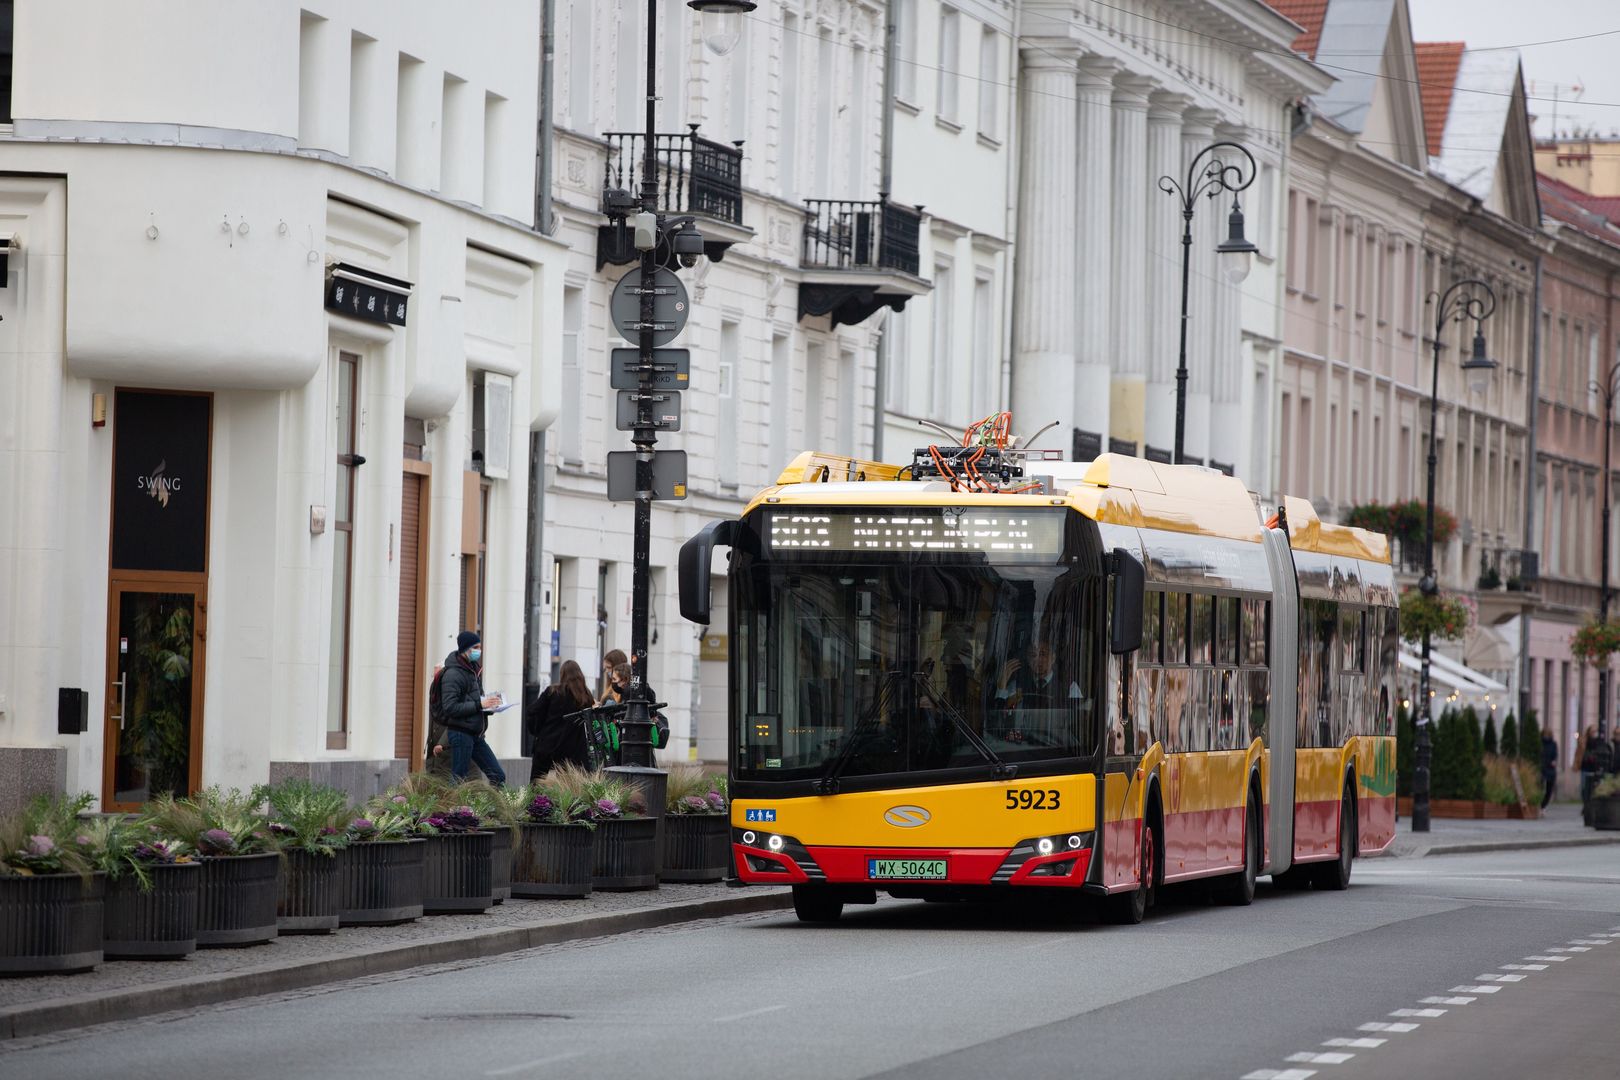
point(1524, 948)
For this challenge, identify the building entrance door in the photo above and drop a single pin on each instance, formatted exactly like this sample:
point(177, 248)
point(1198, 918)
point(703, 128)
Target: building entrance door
point(154, 692)
point(157, 597)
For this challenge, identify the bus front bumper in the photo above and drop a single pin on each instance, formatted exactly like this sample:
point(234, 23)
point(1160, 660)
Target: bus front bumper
point(775, 859)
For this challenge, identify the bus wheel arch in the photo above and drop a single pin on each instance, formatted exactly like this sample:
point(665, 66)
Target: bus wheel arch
point(1334, 875)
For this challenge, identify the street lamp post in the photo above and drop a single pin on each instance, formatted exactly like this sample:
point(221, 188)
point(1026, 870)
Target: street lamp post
point(1608, 389)
point(1466, 299)
point(1208, 178)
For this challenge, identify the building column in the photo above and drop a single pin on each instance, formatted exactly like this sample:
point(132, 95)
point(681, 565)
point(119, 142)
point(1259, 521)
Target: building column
point(1197, 132)
point(1133, 191)
point(1093, 244)
point(1163, 269)
point(1043, 380)
point(1228, 371)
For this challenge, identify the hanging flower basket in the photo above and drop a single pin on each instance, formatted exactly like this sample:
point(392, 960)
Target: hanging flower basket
point(1442, 616)
point(1404, 521)
point(1595, 642)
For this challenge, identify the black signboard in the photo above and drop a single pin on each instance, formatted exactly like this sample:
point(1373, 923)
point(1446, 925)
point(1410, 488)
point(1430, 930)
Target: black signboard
point(160, 481)
point(1010, 533)
point(366, 295)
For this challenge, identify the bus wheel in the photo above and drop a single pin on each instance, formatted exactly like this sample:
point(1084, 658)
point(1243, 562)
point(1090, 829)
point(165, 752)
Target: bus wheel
point(814, 904)
point(1128, 909)
point(1238, 888)
point(1335, 875)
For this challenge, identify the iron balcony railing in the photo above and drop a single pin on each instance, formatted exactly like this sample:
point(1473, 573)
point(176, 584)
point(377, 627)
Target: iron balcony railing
point(843, 234)
point(695, 175)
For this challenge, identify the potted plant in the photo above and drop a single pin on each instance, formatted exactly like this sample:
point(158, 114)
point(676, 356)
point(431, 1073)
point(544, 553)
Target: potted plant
point(1595, 642)
point(50, 895)
point(697, 827)
point(456, 863)
point(1443, 616)
point(500, 809)
point(236, 898)
point(1606, 804)
point(152, 889)
point(626, 838)
point(381, 870)
point(555, 843)
point(1490, 579)
point(308, 821)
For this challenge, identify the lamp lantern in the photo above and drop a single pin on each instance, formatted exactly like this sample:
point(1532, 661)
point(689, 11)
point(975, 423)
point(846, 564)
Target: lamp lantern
point(722, 22)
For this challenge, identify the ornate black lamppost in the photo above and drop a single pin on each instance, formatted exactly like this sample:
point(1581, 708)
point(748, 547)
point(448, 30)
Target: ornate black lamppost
point(1466, 299)
point(1208, 178)
point(1608, 389)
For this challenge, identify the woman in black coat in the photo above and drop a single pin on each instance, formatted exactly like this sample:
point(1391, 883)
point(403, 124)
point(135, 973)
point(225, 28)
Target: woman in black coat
point(558, 740)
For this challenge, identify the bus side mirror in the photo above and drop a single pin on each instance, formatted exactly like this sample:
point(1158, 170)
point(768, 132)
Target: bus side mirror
point(1129, 586)
point(696, 556)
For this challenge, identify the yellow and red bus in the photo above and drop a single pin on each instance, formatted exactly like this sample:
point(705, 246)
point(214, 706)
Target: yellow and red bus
point(1102, 676)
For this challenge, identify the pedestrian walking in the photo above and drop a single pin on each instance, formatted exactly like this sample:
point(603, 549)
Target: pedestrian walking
point(610, 663)
point(559, 740)
point(1549, 767)
point(1586, 757)
point(466, 708)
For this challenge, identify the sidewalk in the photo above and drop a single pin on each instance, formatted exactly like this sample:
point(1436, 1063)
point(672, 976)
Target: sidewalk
point(1560, 826)
point(125, 989)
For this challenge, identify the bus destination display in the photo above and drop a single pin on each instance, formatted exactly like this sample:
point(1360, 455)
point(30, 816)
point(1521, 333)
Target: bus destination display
point(1020, 532)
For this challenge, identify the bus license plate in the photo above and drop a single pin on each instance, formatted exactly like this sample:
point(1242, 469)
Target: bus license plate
point(905, 869)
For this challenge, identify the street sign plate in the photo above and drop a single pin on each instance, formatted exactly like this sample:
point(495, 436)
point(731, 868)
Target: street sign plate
point(669, 475)
point(670, 306)
point(665, 408)
point(672, 369)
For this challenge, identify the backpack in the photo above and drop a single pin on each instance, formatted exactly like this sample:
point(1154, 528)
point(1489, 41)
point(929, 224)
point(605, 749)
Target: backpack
point(437, 732)
point(435, 697)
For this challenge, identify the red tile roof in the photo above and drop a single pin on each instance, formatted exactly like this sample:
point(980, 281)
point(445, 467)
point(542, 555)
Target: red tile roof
point(1437, 63)
point(1595, 215)
point(1310, 15)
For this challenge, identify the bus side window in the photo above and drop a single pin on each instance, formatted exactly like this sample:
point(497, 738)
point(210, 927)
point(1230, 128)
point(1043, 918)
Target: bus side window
point(1259, 702)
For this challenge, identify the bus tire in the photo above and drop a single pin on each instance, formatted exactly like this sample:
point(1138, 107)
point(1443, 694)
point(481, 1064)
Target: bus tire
point(1238, 889)
point(1335, 875)
point(816, 904)
point(1128, 909)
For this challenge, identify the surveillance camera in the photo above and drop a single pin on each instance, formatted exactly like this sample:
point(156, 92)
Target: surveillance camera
point(687, 244)
point(688, 260)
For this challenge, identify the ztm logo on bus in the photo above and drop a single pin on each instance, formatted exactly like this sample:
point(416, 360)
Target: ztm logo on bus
point(759, 815)
point(906, 817)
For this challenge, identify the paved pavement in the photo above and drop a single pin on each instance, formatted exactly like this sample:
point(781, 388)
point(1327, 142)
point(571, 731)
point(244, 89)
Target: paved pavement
point(1559, 826)
point(907, 989)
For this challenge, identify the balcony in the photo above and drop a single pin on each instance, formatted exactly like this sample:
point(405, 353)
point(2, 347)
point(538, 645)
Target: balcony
point(695, 176)
point(858, 257)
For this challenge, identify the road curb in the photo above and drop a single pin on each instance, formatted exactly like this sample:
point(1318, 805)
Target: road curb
point(1510, 845)
point(132, 1002)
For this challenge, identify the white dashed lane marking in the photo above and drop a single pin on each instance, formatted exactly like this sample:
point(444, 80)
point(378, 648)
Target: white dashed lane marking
point(1280, 1074)
point(1590, 941)
point(1491, 976)
point(1485, 989)
point(1446, 1000)
point(1552, 959)
point(1357, 1044)
point(1331, 1057)
point(1524, 967)
point(1427, 1014)
point(1571, 948)
point(1381, 1025)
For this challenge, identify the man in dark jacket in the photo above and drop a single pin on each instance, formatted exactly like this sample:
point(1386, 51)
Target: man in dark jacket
point(1549, 768)
point(465, 710)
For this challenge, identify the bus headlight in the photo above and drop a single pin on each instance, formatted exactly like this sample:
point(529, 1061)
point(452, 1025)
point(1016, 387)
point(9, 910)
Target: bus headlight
point(1075, 841)
point(774, 843)
point(748, 837)
point(1044, 845)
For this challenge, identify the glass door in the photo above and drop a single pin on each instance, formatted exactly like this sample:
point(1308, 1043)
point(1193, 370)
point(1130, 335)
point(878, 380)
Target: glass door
point(154, 692)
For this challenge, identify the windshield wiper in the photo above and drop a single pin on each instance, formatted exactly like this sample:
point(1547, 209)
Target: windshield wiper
point(828, 784)
point(1000, 769)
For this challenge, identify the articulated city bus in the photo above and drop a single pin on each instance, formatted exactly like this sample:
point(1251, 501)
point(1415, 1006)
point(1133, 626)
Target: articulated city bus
point(1104, 676)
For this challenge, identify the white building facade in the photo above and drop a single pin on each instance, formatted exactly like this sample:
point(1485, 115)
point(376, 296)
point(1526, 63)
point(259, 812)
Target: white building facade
point(1110, 100)
point(275, 330)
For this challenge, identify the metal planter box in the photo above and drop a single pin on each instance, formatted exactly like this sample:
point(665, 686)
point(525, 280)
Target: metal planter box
point(456, 874)
point(50, 924)
point(553, 861)
point(697, 847)
point(382, 883)
point(159, 923)
point(310, 898)
point(236, 900)
point(626, 854)
point(500, 862)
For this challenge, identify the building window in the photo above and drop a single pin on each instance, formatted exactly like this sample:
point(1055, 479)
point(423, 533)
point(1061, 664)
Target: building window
point(787, 146)
point(987, 378)
point(905, 44)
point(950, 39)
point(579, 66)
point(939, 403)
point(570, 426)
point(730, 364)
point(990, 84)
point(337, 695)
point(894, 332)
point(815, 392)
point(7, 11)
point(781, 403)
point(630, 70)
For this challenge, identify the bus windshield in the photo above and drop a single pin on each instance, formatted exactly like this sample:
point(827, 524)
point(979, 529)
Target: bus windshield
point(889, 666)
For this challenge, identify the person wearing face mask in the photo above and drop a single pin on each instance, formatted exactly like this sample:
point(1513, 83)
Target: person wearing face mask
point(465, 709)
